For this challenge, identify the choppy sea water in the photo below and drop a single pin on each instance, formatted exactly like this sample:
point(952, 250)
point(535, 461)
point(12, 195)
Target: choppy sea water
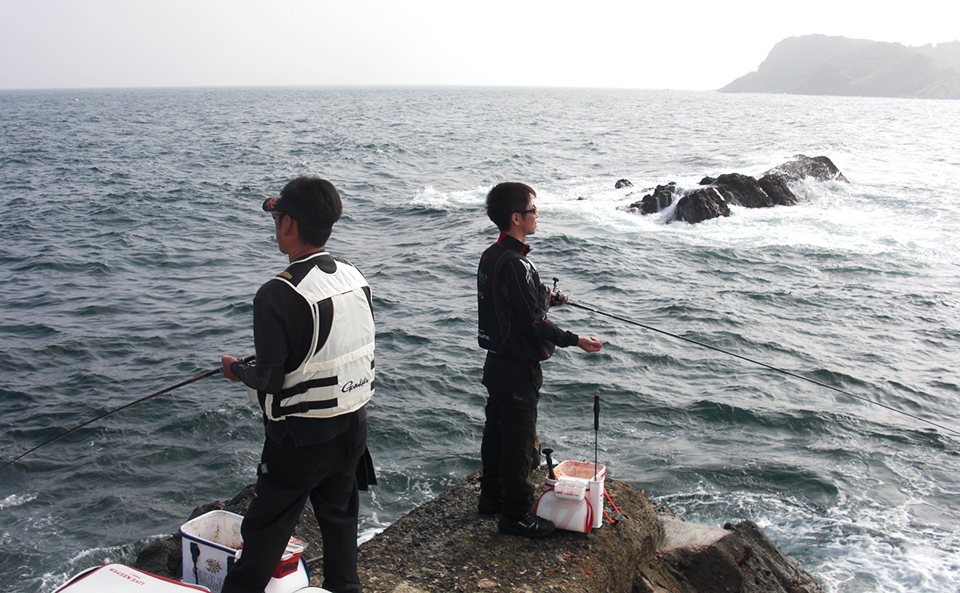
point(133, 244)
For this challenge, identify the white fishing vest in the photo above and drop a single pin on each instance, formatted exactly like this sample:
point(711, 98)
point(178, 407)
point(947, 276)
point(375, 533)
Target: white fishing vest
point(339, 377)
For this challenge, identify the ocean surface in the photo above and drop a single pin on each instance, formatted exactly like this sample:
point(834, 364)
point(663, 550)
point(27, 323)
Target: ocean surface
point(133, 243)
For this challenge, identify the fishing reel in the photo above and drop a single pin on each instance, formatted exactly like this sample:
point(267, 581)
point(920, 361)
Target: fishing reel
point(557, 296)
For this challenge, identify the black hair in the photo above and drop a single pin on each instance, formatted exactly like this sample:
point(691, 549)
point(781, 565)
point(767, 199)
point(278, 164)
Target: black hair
point(505, 199)
point(317, 207)
point(313, 235)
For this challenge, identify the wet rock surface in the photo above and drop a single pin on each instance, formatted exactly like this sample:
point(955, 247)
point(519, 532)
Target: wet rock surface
point(701, 204)
point(445, 546)
point(661, 197)
point(738, 558)
point(820, 168)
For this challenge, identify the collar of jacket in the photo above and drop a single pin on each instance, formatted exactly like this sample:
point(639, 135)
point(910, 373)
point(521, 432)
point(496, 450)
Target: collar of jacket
point(509, 242)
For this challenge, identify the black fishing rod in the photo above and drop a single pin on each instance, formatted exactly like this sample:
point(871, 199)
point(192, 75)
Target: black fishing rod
point(209, 373)
point(757, 362)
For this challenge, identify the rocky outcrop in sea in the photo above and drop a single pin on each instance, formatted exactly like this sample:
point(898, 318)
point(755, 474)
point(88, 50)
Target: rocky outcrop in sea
point(444, 546)
point(716, 194)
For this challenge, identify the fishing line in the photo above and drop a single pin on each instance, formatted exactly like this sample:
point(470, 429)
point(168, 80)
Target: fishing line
point(757, 362)
point(209, 373)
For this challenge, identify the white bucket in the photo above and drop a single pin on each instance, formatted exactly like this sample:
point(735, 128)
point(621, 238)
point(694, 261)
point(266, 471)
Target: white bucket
point(211, 544)
point(574, 500)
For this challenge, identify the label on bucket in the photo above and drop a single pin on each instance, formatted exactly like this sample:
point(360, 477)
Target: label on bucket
point(569, 488)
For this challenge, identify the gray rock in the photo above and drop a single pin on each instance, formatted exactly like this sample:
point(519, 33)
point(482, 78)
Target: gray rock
point(701, 204)
point(716, 194)
point(702, 559)
point(742, 190)
point(444, 546)
point(775, 186)
point(820, 168)
point(661, 198)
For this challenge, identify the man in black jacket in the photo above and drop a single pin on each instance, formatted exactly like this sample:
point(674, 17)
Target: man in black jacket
point(517, 335)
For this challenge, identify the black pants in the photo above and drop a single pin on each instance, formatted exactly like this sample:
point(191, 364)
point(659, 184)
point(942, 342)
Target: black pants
point(324, 473)
point(510, 432)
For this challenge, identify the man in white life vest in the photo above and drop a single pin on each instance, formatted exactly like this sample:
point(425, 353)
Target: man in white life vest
point(314, 372)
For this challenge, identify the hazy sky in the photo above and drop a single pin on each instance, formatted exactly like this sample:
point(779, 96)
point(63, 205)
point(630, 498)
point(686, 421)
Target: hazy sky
point(668, 44)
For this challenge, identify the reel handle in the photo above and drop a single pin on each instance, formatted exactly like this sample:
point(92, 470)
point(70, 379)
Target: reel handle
point(550, 473)
point(596, 413)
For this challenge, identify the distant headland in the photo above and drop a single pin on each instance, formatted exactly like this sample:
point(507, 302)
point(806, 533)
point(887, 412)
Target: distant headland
point(824, 65)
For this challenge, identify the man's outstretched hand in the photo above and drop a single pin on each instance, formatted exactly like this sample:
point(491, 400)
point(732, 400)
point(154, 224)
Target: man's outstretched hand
point(590, 344)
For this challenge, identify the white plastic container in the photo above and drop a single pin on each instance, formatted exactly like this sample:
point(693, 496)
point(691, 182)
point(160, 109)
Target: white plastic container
point(211, 544)
point(574, 500)
point(120, 578)
point(582, 470)
point(570, 488)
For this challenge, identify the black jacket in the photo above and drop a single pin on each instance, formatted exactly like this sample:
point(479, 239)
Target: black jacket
point(513, 305)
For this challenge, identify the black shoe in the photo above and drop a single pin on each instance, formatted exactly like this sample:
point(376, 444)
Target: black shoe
point(489, 507)
point(529, 525)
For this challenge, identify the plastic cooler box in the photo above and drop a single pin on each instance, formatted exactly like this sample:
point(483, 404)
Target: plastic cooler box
point(212, 543)
point(574, 501)
point(120, 578)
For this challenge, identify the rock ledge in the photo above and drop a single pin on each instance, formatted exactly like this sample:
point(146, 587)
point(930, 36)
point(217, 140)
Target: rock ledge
point(444, 546)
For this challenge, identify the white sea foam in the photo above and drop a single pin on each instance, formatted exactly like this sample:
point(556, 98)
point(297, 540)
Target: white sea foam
point(368, 534)
point(830, 216)
point(428, 197)
point(858, 544)
point(83, 560)
point(15, 500)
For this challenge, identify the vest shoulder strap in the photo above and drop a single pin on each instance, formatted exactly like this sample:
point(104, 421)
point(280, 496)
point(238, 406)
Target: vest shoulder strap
point(298, 270)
